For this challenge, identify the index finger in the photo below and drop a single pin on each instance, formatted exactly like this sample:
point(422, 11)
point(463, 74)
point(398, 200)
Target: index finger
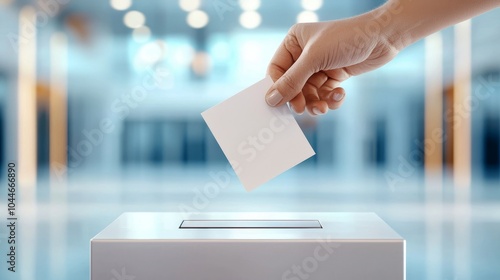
point(287, 53)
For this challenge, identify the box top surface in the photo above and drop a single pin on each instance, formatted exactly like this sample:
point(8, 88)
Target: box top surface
point(170, 226)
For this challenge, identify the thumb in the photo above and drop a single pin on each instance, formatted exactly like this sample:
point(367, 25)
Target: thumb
point(290, 83)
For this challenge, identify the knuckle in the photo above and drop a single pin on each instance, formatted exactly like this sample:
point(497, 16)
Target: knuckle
point(287, 87)
point(292, 44)
point(294, 28)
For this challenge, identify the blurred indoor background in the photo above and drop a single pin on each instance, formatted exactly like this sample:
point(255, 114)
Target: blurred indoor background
point(100, 106)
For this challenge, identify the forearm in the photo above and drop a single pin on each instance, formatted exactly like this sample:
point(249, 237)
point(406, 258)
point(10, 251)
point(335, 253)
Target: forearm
point(411, 20)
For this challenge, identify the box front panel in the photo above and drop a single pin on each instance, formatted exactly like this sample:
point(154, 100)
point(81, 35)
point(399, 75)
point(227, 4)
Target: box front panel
point(247, 260)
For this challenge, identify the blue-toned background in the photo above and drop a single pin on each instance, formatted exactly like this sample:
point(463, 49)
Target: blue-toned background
point(100, 106)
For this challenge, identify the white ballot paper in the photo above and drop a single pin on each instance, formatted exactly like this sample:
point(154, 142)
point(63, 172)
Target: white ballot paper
point(259, 141)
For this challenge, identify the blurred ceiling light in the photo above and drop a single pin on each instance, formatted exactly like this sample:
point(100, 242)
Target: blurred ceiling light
point(250, 19)
point(151, 53)
point(249, 5)
point(197, 19)
point(189, 5)
point(307, 16)
point(134, 19)
point(120, 5)
point(141, 34)
point(312, 5)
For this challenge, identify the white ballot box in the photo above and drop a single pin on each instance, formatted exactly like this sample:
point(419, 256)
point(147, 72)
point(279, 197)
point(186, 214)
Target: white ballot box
point(248, 246)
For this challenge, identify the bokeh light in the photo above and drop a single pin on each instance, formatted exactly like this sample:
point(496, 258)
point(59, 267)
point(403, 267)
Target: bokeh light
point(197, 19)
point(141, 34)
point(312, 5)
point(151, 53)
point(249, 5)
point(134, 19)
point(250, 20)
point(189, 5)
point(201, 64)
point(307, 16)
point(120, 5)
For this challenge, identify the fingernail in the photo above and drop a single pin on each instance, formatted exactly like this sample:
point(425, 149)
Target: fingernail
point(273, 98)
point(317, 111)
point(294, 110)
point(338, 96)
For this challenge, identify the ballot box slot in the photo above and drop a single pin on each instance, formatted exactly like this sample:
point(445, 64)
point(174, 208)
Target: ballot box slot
point(250, 224)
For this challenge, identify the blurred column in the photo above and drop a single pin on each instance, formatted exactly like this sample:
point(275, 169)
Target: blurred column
point(433, 147)
point(462, 234)
point(462, 106)
point(462, 149)
point(57, 215)
point(27, 137)
point(27, 140)
point(433, 141)
point(58, 107)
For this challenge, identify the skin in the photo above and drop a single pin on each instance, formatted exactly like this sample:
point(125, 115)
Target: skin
point(315, 58)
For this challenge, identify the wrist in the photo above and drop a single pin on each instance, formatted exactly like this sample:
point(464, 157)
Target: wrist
point(397, 30)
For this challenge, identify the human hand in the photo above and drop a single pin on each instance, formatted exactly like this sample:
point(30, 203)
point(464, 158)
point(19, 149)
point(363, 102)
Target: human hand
point(315, 58)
